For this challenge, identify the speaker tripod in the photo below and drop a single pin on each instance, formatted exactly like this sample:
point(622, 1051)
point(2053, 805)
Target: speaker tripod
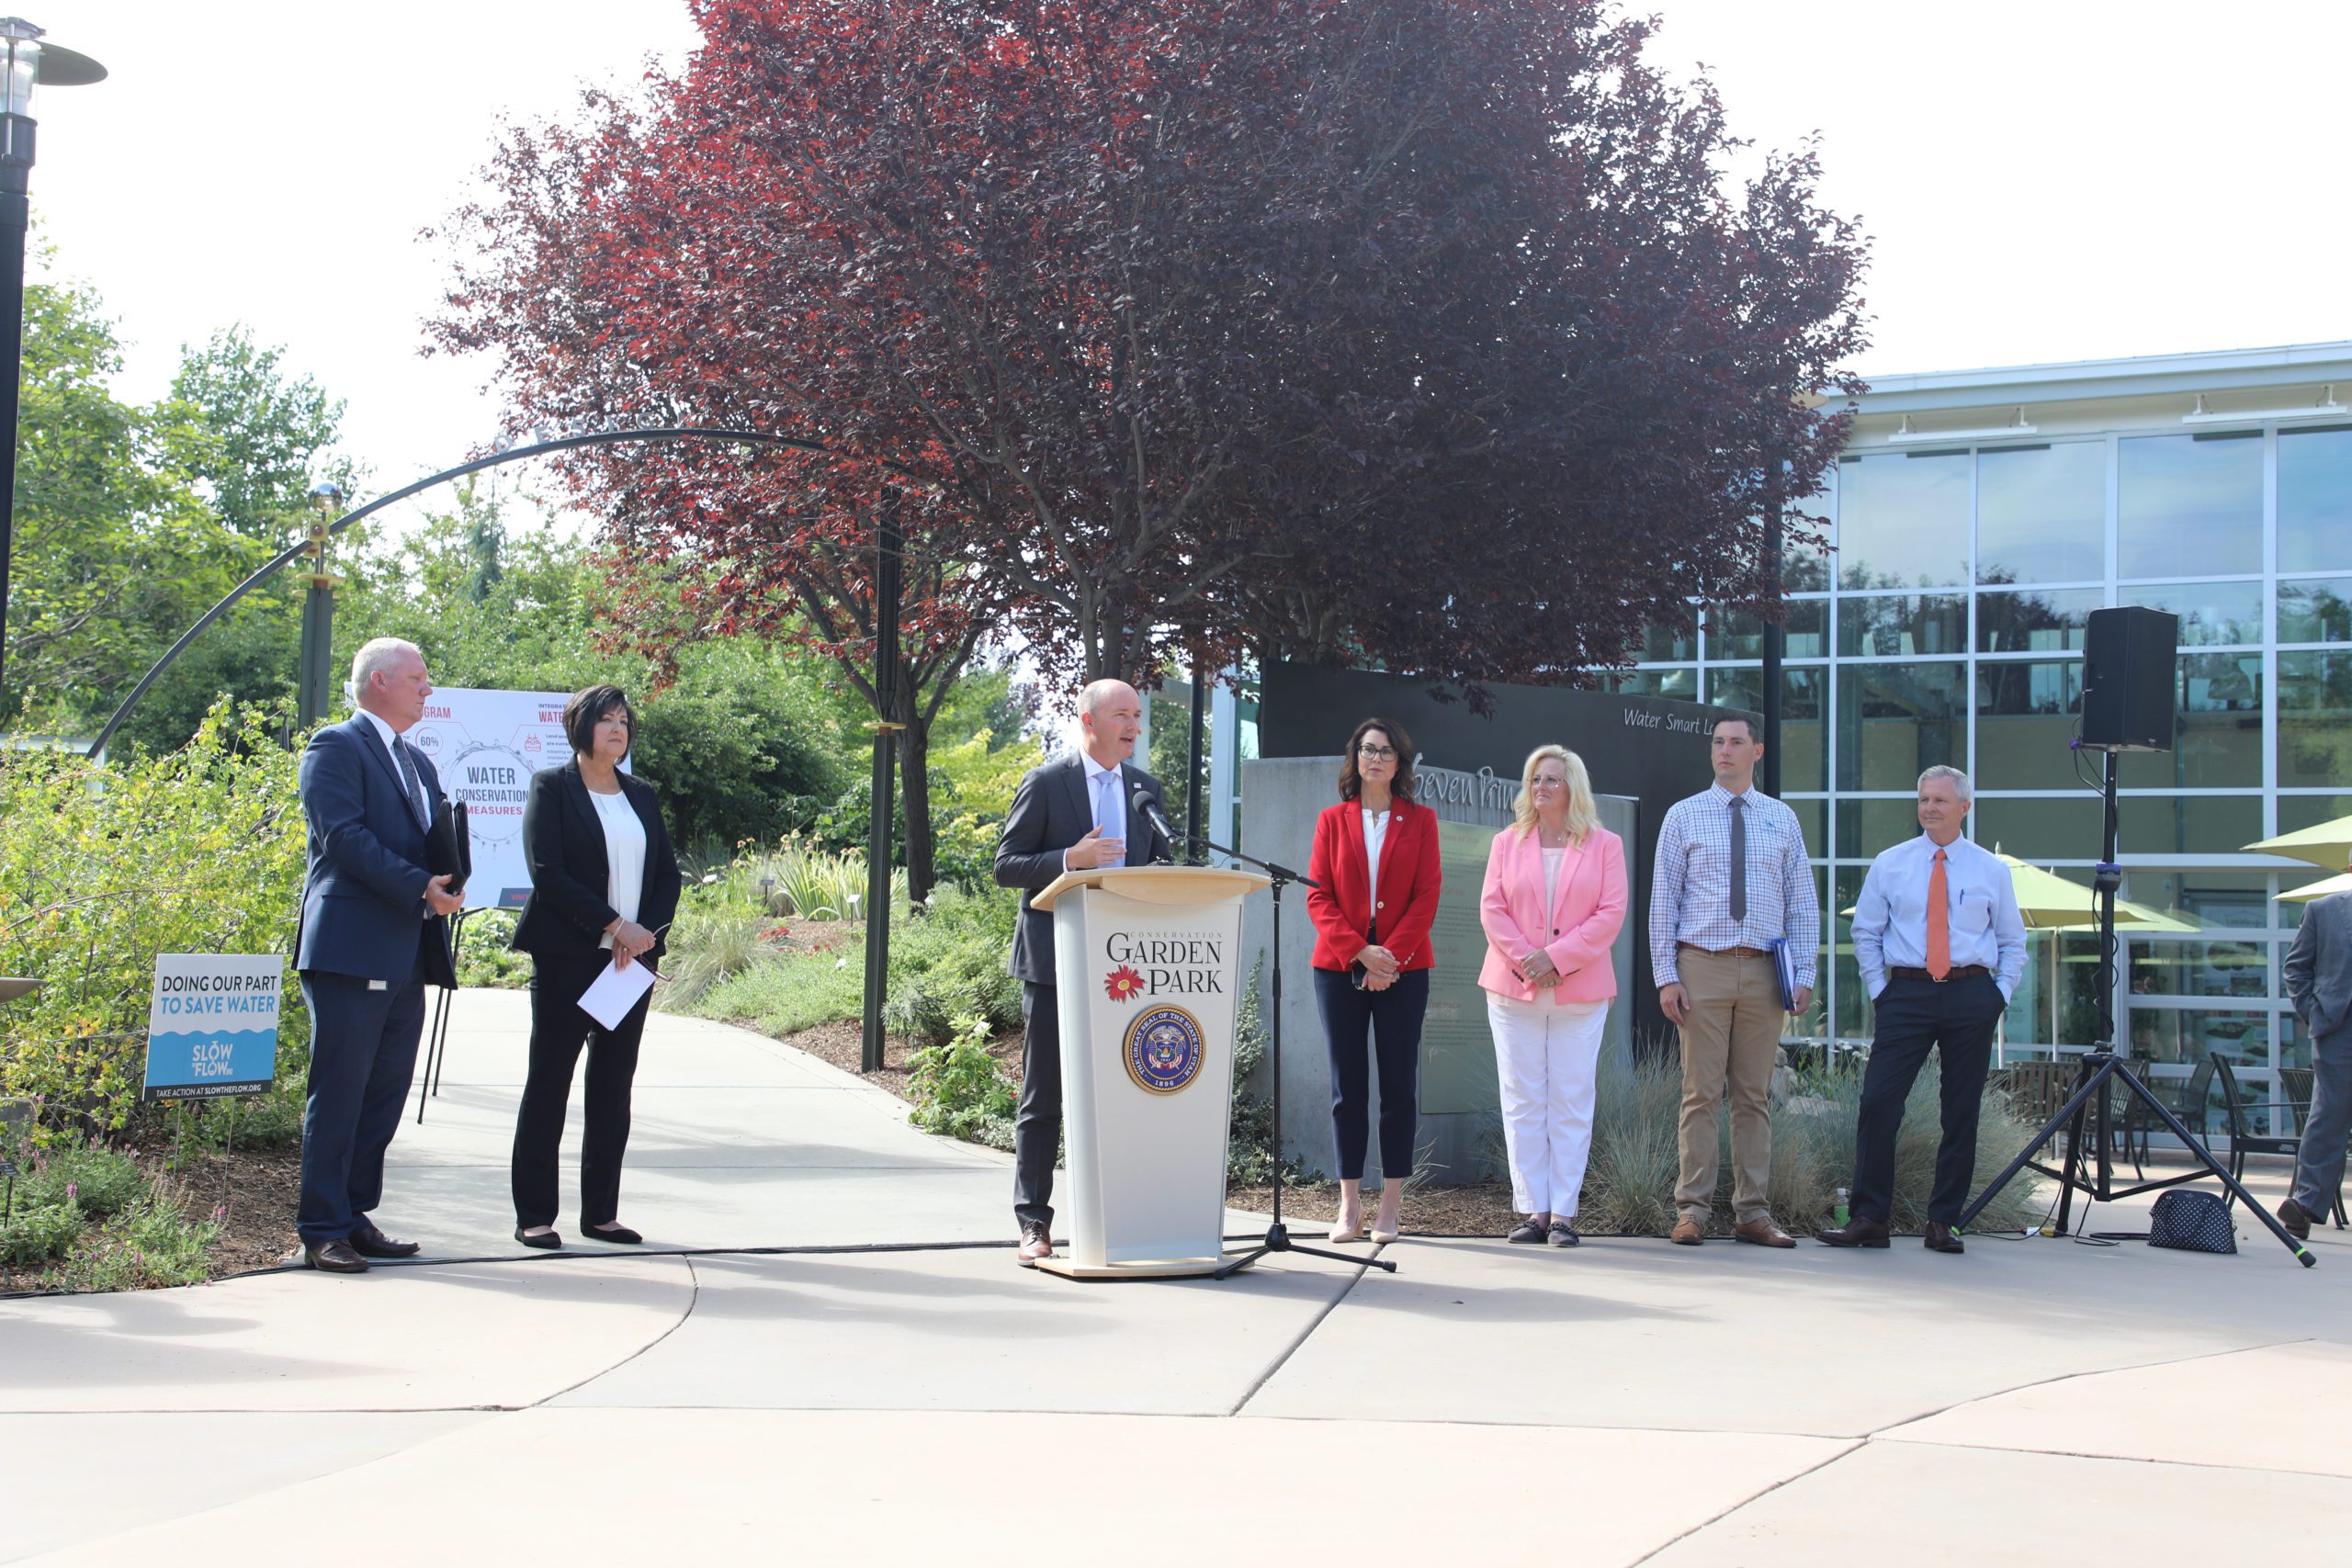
point(2086, 1109)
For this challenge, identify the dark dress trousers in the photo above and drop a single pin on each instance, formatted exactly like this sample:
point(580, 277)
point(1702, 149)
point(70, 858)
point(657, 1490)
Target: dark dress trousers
point(562, 929)
point(1051, 812)
point(368, 947)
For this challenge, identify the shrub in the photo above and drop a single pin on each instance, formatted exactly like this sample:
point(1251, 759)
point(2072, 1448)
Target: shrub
point(98, 1182)
point(36, 1233)
point(960, 1090)
point(708, 946)
point(949, 964)
point(787, 993)
point(151, 1244)
point(484, 957)
point(1629, 1186)
point(103, 867)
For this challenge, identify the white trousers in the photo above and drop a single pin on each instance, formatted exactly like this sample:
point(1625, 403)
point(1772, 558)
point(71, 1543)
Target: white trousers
point(1548, 1058)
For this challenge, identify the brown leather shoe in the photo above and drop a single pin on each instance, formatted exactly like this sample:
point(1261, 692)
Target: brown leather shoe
point(1943, 1238)
point(1037, 1242)
point(1762, 1232)
point(334, 1257)
point(369, 1242)
point(1687, 1233)
point(2296, 1218)
point(1856, 1232)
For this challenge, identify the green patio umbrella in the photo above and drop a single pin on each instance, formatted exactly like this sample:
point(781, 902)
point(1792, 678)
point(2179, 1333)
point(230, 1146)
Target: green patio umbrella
point(2320, 889)
point(2327, 846)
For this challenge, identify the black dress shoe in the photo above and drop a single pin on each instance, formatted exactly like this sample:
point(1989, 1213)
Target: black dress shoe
point(369, 1242)
point(619, 1236)
point(333, 1257)
point(1943, 1238)
point(546, 1241)
point(1856, 1232)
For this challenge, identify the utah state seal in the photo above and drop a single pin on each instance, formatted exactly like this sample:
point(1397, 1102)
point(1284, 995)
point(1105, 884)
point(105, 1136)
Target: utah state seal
point(1164, 1049)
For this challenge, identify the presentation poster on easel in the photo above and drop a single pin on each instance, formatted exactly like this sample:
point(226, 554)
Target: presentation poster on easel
point(486, 745)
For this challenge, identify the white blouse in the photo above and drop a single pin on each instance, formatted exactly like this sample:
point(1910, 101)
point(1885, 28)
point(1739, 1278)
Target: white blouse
point(1552, 858)
point(1375, 830)
point(624, 853)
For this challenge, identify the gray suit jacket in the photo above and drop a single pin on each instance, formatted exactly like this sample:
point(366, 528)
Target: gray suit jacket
point(2319, 965)
point(1050, 812)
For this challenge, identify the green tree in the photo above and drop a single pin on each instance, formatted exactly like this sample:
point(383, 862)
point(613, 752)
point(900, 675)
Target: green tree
point(114, 550)
point(253, 436)
point(741, 736)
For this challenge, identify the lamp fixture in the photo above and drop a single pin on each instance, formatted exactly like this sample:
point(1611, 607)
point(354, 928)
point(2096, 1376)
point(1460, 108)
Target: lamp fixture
point(1905, 434)
point(2326, 408)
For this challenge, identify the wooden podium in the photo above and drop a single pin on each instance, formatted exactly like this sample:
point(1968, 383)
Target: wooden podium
point(1147, 962)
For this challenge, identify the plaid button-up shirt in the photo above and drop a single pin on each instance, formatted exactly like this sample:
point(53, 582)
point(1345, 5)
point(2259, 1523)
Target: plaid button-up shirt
point(1690, 884)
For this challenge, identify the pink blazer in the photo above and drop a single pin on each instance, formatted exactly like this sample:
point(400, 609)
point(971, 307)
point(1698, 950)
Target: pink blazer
point(1579, 929)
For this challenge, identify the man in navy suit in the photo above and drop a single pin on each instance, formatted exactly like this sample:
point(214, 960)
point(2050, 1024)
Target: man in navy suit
point(1068, 815)
point(375, 933)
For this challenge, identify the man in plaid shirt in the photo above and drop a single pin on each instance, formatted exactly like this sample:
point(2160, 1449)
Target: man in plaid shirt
point(1731, 877)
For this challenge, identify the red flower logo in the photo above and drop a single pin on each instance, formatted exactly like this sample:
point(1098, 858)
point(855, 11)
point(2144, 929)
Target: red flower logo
point(1122, 983)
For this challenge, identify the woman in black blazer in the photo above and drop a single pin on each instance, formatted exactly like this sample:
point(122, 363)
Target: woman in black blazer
point(604, 886)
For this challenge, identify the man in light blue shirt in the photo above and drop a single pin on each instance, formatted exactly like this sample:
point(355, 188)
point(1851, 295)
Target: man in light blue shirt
point(1941, 945)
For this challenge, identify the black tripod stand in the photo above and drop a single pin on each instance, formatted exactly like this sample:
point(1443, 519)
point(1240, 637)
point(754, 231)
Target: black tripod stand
point(2089, 1106)
point(1277, 1237)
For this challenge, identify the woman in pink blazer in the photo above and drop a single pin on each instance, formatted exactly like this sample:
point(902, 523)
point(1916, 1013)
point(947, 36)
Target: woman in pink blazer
point(1554, 898)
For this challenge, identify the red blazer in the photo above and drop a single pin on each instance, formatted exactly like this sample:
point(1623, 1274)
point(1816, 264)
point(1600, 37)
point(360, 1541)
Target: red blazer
point(1344, 905)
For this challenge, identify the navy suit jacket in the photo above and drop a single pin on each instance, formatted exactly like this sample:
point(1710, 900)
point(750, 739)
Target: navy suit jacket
point(363, 898)
point(1050, 812)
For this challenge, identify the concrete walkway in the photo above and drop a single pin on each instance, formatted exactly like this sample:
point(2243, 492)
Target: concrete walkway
point(1624, 1402)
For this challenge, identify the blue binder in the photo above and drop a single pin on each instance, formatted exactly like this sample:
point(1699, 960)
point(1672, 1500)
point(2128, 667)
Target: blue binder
point(1784, 969)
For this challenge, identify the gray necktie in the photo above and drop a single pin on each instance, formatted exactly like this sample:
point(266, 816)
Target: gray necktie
point(415, 786)
point(1103, 784)
point(1738, 860)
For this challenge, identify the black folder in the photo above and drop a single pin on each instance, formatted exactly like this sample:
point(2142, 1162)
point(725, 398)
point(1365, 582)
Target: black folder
point(448, 847)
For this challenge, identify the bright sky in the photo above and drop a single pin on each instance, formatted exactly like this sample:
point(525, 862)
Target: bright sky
point(2061, 181)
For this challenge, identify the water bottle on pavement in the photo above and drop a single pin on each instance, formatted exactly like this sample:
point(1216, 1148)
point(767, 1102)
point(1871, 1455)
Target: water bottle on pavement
point(1838, 1213)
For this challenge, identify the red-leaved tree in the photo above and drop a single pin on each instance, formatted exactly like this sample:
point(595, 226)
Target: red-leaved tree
point(1423, 331)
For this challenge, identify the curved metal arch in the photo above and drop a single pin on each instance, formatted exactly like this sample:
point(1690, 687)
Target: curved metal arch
point(600, 438)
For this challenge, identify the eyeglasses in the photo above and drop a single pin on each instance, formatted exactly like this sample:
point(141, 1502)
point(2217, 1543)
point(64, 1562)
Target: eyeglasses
point(1377, 753)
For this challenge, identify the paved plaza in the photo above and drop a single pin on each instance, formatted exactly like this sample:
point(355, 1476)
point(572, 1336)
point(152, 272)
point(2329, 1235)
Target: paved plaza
point(900, 1392)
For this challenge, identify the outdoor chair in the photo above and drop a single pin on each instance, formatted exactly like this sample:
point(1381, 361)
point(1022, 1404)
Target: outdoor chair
point(2191, 1099)
point(2295, 1083)
point(2037, 1090)
point(2238, 1111)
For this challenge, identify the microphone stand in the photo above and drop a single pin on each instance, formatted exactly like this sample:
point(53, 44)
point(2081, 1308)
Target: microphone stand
point(1277, 1236)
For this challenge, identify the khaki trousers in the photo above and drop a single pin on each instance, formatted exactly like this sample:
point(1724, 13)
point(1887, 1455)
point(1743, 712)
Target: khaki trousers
point(1731, 1042)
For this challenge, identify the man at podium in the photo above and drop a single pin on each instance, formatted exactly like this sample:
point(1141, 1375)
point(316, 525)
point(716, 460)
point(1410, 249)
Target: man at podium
point(1069, 814)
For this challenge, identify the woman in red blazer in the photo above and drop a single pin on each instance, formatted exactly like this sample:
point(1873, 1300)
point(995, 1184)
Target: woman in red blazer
point(1377, 878)
point(1553, 902)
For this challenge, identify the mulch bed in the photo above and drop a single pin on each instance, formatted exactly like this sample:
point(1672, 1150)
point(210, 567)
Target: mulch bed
point(253, 1191)
point(1481, 1208)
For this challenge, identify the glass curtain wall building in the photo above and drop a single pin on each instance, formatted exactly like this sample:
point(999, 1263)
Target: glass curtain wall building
point(1975, 520)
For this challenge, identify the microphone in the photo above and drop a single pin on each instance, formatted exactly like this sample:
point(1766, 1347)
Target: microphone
point(1147, 804)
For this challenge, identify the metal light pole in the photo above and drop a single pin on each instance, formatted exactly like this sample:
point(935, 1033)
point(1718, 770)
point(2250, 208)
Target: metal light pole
point(887, 565)
point(30, 63)
point(312, 701)
point(1775, 631)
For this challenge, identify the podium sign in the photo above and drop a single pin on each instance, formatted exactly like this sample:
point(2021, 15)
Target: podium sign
point(1147, 966)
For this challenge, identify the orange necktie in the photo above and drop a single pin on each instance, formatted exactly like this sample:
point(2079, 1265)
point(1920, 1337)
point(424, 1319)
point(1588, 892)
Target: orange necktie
point(1938, 921)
